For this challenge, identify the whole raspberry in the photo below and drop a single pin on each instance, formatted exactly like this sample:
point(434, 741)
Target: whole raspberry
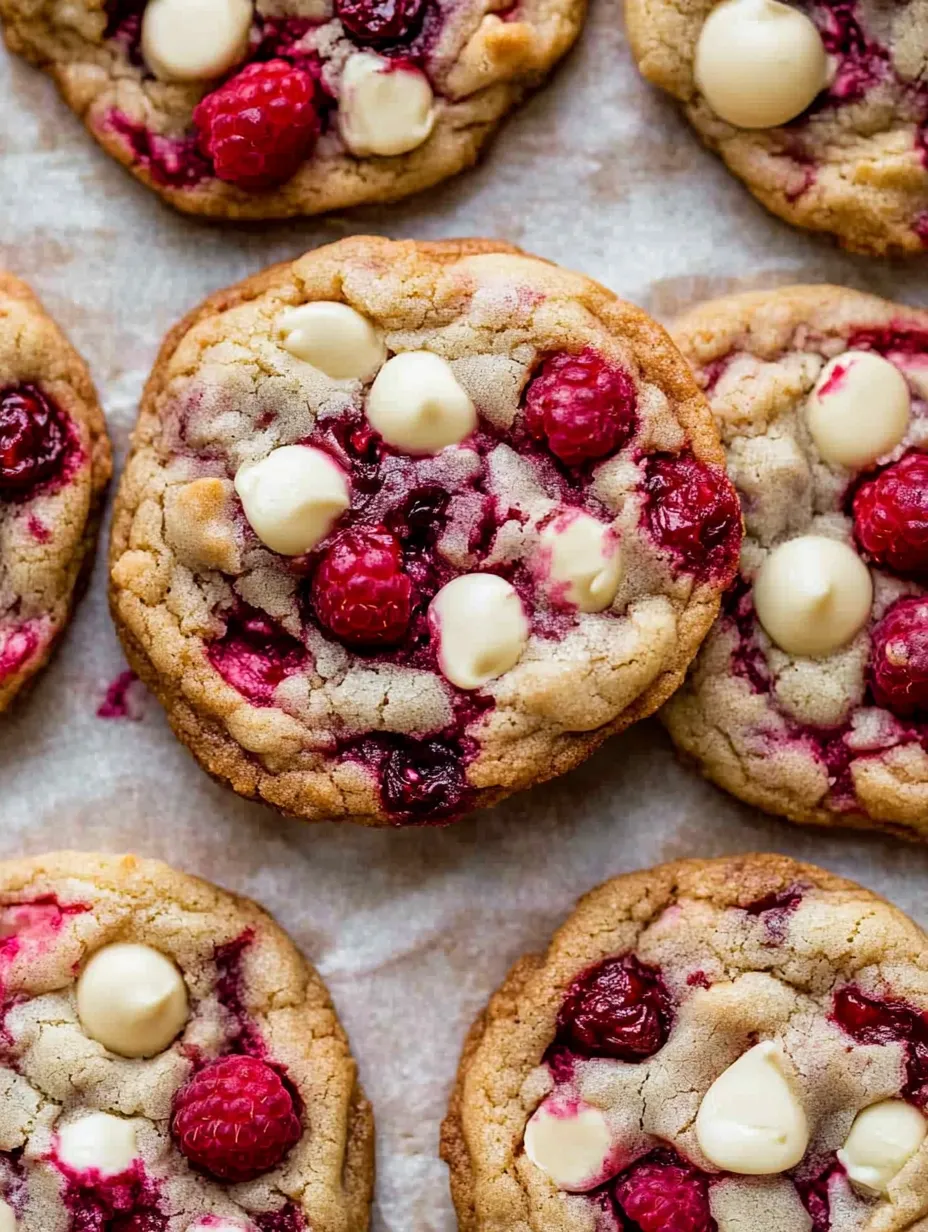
point(619, 1008)
point(380, 21)
point(891, 515)
point(235, 1119)
point(693, 510)
point(360, 591)
point(32, 438)
point(260, 125)
point(899, 658)
point(582, 406)
point(661, 1193)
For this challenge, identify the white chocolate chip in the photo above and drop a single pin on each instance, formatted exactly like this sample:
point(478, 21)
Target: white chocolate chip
point(759, 63)
point(580, 561)
point(100, 1142)
point(418, 405)
point(334, 338)
point(384, 108)
point(132, 1000)
point(859, 409)
point(883, 1139)
point(293, 497)
point(7, 1217)
point(750, 1121)
point(572, 1145)
point(813, 595)
point(195, 40)
point(480, 626)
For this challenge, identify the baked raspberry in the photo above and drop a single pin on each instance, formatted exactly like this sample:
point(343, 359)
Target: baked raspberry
point(260, 125)
point(235, 1119)
point(619, 1008)
point(814, 1190)
point(360, 592)
point(891, 515)
point(692, 509)
point(422, 779)
point(380, 21)
point(287, 1219)
point(662, 1193)
point(582, 406)
point(869, 1021)
point(33, 438)
point(255, 655)
point(899, 658)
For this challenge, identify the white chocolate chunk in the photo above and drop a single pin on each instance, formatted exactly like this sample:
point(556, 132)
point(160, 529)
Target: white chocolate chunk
point(100, 1142)
point(581, 559)
point(750, 1121)
point(132, 1000)
point(293, 497)
point(480, 626)
point(859, 409)
point(384, 108)
point(571, 1145)
point(759, 63)
point(334, 338)
point(7, 1217)
point(883, 1139)
point(418, 405)
point(195, 40)
point(813, 595)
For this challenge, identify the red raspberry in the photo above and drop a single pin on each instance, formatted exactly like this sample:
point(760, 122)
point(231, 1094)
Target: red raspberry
point(619, 1008)
point(891, 515)
point(693, 510)
point(360, 591)
point(379, 21)
point(582, 406)
point(664, 1194)
point(235, 1119)
point(899, 658)
point(32, 438)
point(260, 125)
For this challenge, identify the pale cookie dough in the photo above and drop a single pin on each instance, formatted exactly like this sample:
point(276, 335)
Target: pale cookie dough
point(54, 467)
point(819, 108)
point(708, 1046)
point(536, 537)
point(95, 1134)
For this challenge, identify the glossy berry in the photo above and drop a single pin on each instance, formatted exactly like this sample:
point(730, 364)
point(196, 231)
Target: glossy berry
point(899, 658)
point(380, 21)
point(422, 779)
point(255, 655)
point(360, 591)
point(260, 125)
point(33, 439)
point(871, 1021)
point(583, 407)
point(235, 1119)
point(663, 1194)
point(693, 511)
point(619, 1008)
point(891, 515)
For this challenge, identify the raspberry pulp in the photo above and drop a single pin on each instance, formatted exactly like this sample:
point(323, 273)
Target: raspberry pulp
point(662, 1193)
point(33, 439)
point(870, 1021)
point(891, 516)
point(255, 655)
point(422, 779)
point(360, 592)
point(380, 21)
point(620, 1008)
point(693, 511)
point(899, 658)
point(582, 406)
point(814, 1186)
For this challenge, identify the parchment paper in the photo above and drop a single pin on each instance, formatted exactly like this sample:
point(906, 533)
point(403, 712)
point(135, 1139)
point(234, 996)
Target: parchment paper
point(412, 929)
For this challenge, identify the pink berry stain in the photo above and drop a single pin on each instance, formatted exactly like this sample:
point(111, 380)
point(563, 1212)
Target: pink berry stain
point(774, 911)
point(172, 162)
point(242, 1034)
point(38, 530)
point(18, 645)
point(254, 655)
point(620, 1008)
point(814, 1184)
point(126, 1202)
point(122, 699)
point(27, 928)
point(871, 1020)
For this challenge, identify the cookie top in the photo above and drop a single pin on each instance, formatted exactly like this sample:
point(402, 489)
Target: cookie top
point(54, 466)
point(170, 1061)
point(838, 143)
point(708, 1046)
point(809, 697)
point(409, 526)
point(274, 108)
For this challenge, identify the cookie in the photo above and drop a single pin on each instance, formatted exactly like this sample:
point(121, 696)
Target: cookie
point(237, 109)
point(171, 1063)
point(708, 1046)
point(836, 144)
point(809, 698)
point(54, 467)
point(409, 526)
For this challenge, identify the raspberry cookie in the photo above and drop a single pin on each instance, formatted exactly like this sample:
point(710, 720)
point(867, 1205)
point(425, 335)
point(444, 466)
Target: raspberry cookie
point(54, 467)
point(838, 142)
point(273, 108)
point(709, 1046)
point(172, 1064)
point(408, 526)
point(810, 696)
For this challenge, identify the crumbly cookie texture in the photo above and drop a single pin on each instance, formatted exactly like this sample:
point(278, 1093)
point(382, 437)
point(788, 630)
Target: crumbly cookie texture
point(276, 108)
point(809, 697)
point(196, 991)
point(694, 1053)
point(396, 596)
point(54, 467)
point(837, 144)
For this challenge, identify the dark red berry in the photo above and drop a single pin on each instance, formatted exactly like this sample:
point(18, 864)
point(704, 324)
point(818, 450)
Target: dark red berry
point(871, 1021)
point(693, 511)
point(582, 406)
point(380, 21)
point(899, 658)
point(619, 1008)
point(360, 592)
point(891, 516)
point(255, 655)
point(33, 439)
point(422, 779)
point(662, 1193)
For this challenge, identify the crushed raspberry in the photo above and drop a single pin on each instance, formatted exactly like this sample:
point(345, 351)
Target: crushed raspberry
point(891, 515)
point(33, 439)
point(422, 779)
point(662, 1193)
point(287, 1219)
point(814, 1185)
point(582, 406)
point(869, 1021)
point(775, 910)
point(173, 162)
point(620, 1008)
point(693, 511)
point(235, 1119)
point(260, 125)
point(861, 62)
point(242, 1035)
point(255, 655)
point(360, 592)
point(899, 658)
point(380, 21)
